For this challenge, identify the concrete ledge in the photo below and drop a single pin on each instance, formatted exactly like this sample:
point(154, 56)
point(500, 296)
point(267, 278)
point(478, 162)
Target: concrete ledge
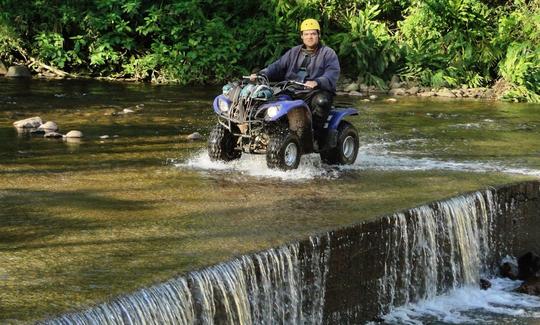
point(350, 275)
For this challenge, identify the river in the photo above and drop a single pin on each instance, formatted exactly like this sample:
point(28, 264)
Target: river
point(135, 203)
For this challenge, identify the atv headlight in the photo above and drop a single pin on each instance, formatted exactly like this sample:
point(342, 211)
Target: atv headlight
point(223, 105)
point(272, 111)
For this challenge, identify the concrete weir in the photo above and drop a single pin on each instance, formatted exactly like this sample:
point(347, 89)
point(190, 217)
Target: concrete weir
point(349, 275)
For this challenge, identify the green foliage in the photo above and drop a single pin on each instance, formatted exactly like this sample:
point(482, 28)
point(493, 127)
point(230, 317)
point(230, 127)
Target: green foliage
point(365, 45)
point(50, 47)
point(519, 32)
point(434, 42)
point(446, 43)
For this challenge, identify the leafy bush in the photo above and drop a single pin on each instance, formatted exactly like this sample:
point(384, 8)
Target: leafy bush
point(519, 33)
point(447, 43)
point(366, 46)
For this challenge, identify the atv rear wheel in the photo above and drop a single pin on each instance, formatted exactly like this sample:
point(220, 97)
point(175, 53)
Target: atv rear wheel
point(283, 150)
point(346, 151)
point(222, 144)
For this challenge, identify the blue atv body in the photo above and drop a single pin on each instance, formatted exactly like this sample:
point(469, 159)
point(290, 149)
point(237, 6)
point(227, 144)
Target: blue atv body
point(258, 118)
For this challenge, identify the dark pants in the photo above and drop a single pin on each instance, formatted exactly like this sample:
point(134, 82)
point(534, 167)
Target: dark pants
point(320, 102)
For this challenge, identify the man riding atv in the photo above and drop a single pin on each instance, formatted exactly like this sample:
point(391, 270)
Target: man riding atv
point(288, 118)
point(315, 65)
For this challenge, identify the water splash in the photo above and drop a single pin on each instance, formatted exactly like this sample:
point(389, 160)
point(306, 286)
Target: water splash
point(273, 286)
point(255, 165)
point(471, 305)
point(373, 156)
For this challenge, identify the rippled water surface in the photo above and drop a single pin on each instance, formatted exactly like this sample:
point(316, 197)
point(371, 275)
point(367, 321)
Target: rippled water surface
point(135, 202)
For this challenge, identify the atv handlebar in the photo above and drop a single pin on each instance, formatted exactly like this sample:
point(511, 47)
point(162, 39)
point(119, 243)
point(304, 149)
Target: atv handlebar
point(265, 80)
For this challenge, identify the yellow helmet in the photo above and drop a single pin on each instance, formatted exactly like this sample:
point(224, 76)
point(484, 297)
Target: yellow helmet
point(309, 24)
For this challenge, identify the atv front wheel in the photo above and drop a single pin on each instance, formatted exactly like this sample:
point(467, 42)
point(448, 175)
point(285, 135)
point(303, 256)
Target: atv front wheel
point(222, 144)
point(346, 151)
point(283, 150)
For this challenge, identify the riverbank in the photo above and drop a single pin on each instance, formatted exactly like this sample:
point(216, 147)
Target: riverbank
point(395, 88)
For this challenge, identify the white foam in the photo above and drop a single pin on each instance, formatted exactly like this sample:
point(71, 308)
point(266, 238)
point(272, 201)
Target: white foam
point(255, 165)
point(373, 156)
point(470, 305)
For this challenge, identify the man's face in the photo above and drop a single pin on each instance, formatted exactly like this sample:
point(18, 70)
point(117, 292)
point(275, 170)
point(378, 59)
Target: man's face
point(310, 38)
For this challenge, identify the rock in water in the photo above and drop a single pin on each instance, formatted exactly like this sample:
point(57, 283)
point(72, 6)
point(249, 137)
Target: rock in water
point(18, 71)
point(49, 126)
point(3, 69)
point(53, 135)
point(528, 266)
point(530, 287)
point(195, 136)
point(29, 123)
point(74, 134)
point(509, 269)
point(485, 284)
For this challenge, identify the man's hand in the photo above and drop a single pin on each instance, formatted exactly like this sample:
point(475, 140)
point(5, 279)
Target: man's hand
point(311, 84)
point(252, 77)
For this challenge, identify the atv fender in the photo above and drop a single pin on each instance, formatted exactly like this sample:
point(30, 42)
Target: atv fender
point(336, 115)
point(334, 118)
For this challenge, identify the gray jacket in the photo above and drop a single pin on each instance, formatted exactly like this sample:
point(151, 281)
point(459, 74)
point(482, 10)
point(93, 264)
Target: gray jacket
point(323, 67)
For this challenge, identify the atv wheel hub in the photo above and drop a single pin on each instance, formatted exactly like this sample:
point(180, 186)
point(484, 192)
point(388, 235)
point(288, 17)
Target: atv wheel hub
point(348, 147)
point(291, 153)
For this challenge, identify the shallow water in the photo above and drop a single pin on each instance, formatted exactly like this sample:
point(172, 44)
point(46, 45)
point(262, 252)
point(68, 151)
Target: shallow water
point(83, 222)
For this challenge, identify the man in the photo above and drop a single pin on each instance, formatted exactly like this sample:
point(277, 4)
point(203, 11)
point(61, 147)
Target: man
point(315, 65)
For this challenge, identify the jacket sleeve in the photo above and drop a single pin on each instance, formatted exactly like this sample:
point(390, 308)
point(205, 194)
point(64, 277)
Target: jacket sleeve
point(328, 80)
point(277, 70)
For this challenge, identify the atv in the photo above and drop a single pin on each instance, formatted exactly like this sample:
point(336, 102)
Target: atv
point(261, 118)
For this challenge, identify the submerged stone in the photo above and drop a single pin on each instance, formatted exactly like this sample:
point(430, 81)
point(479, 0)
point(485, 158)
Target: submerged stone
point(485, 284)
point(48, 126)
point(53, 135)
point(530, 287)
point(195, 136)
point(509, 270)
point(29, 123)
point(74, 134)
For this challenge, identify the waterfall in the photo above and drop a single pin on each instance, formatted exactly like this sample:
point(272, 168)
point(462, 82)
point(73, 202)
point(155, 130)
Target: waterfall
point(434, 248)
point(283, 285)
